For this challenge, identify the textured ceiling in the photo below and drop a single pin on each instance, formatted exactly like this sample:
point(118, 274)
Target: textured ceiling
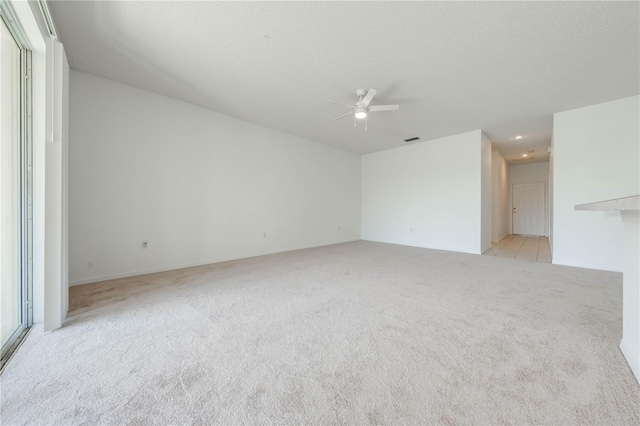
point(504, 67)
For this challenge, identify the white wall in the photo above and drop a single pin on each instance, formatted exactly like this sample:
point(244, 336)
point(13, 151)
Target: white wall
point(530, 173)
point(551, 167)
point(485, 189)
point(426, 194)
point(64, 127)
point(630, 344)
point(200, 186)
point(596, 157)
point(500, 210)
point(56, 291)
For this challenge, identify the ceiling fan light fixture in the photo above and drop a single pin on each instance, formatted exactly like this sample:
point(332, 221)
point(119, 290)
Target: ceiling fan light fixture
point(363, 107)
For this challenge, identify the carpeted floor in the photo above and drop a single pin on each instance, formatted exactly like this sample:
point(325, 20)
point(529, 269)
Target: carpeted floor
point(353, 333)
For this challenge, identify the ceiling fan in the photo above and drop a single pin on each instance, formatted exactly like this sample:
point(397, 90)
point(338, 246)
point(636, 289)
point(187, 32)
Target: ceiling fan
point(362, 108)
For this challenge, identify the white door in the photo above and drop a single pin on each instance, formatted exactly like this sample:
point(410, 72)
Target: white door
point(528, 209)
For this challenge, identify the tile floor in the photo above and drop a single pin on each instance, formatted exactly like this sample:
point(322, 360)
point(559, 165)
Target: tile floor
point(522, 247)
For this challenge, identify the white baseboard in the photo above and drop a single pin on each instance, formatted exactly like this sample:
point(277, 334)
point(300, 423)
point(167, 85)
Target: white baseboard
point(633, 358)
point(92, 280)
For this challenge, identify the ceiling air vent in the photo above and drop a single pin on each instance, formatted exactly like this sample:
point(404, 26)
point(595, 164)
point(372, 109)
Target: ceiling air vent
point(412, 139)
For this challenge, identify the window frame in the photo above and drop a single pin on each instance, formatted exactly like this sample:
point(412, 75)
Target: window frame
point(25, 182)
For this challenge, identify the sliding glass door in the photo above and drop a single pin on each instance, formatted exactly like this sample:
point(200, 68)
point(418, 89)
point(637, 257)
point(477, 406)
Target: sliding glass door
point(15, 191)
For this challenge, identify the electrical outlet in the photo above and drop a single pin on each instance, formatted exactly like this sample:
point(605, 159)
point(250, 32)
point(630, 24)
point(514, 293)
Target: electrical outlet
point(264, 235)
point(411, 230)
point(145, 244)
point(338, 228)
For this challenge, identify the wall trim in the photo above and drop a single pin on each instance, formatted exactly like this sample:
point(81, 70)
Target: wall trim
point(129, 274)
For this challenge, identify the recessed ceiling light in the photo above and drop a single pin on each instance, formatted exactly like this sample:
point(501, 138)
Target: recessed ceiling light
point(518, 137)
point(525, 155)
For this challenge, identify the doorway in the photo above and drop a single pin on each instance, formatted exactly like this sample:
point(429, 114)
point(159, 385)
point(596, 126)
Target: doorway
point(528, 209)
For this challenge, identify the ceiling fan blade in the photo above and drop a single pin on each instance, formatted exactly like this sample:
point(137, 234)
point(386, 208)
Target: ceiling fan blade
point(367, 99)
point(343, 116)
point(342, 103)
point(374, 108)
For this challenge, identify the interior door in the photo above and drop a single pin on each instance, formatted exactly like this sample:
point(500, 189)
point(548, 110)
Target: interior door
point(528, 209)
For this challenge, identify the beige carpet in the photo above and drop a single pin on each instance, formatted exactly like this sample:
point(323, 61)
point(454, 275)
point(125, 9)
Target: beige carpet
point(354, 333)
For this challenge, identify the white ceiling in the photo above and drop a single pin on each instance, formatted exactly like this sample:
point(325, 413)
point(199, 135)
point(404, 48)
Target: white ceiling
point(504, 67)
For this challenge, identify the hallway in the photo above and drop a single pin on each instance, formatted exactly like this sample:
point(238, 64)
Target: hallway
point(522, 247)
